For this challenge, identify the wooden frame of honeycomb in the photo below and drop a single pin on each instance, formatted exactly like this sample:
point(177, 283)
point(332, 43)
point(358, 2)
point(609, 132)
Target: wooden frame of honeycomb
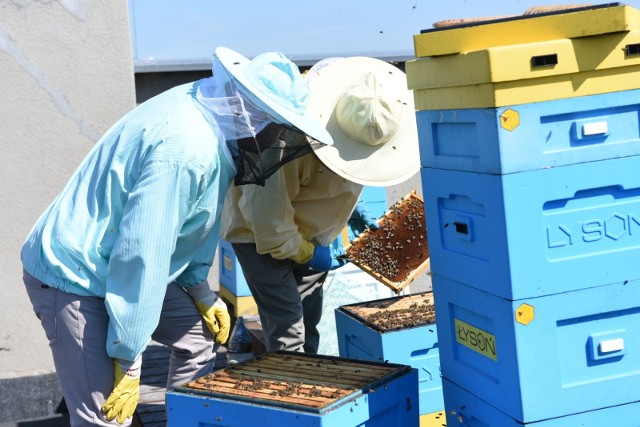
point(294, 380)
point(395, 313)
point(397, 252)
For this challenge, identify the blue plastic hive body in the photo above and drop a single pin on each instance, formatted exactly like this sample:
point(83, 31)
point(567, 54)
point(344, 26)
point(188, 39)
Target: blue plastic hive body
point(468, 410)
point(538, 232)
point(547, 134)
point(533, 220)
point(390, 404)
point(545, 357)
point(416, 346)
point(376, 200)
point(231, 276)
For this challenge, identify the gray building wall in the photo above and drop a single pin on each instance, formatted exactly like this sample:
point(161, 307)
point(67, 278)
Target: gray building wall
point(66, 74)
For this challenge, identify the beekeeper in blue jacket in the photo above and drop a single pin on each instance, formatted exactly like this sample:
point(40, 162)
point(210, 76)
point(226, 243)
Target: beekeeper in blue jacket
point(370, 114)
point(122, 255)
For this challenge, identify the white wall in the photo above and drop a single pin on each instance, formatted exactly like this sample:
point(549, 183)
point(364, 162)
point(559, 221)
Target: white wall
point(66, 74)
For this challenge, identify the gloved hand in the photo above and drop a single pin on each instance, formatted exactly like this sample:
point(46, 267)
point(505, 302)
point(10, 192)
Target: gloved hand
point(362, 219)
point(213, 310)
point(123, 400)
point(325, 259)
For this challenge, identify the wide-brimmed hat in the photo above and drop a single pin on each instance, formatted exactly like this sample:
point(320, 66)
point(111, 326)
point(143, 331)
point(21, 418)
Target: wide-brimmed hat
point(369, 112)
point(273, 83)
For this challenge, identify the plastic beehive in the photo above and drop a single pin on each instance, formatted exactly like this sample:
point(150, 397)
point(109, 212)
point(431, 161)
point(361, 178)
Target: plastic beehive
point(519, 74)
point(294, 389)
point(521, 92)
point(538, 232)
point(541, 358)
point(468, 410)
point(375, 199)
point(525, 61)
point(580, 22)
point(231, 276)
point(411, 339)
point(531, 136)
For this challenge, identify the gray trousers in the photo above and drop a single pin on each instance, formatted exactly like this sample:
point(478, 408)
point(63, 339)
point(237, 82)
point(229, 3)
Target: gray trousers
point(288, 296)
point(76, 328)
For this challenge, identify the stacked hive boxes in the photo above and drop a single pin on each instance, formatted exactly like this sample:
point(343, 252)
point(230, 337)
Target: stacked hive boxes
point(530, 139)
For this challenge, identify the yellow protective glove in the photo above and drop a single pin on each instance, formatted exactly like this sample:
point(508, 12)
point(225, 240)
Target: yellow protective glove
point(213, 311)
point(305, 252)
point(124, 398)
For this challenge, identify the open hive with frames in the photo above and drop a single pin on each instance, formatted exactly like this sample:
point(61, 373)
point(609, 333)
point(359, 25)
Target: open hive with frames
point(395, 313)
point(293, 380)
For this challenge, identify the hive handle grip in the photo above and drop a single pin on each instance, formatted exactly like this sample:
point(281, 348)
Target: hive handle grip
point(632, 49)
point(462, 227)
point(544, 60)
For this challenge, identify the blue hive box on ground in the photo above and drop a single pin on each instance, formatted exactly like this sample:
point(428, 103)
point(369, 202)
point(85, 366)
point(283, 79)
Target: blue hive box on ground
point(230, 271)
point(295, 389)
point(465, 409)
point(541, 358)
point(531, 136)
point(538, 232)
point(410, 340)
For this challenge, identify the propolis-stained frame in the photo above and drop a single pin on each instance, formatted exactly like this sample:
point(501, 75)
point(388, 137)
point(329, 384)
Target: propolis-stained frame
point(402, 233)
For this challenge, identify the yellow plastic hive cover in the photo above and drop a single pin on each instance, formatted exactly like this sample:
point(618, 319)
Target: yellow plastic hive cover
point(535, 27)
point(526, 61)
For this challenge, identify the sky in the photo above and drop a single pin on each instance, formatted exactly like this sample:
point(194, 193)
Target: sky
point(168, 31)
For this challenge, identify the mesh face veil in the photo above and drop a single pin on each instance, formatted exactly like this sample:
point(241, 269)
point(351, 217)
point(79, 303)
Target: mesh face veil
point(257, 143)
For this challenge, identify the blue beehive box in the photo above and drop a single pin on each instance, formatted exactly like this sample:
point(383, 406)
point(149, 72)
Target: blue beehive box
point(231, 276)
point(541, 358)
point(465, 409)
point(538, 232)
point(531, 136)
point(364, 333)
point(295, 389)
point(376, 200)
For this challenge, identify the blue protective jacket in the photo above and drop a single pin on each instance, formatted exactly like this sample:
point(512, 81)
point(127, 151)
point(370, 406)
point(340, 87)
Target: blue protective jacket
point(142, 210)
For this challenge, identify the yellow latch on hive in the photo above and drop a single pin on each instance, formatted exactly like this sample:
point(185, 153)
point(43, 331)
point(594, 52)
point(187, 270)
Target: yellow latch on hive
point(525, 314)
point(510, 119)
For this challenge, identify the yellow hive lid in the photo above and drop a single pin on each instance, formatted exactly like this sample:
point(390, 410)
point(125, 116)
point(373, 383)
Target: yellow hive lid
point(536, 25)
point(526, 61)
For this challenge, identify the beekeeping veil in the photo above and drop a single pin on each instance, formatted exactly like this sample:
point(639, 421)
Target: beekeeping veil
point(260, 108)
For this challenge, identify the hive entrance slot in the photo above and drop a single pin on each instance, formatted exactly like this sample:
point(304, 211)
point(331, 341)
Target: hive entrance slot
point(544, 60)
point(461, 228)
point(632, 49)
